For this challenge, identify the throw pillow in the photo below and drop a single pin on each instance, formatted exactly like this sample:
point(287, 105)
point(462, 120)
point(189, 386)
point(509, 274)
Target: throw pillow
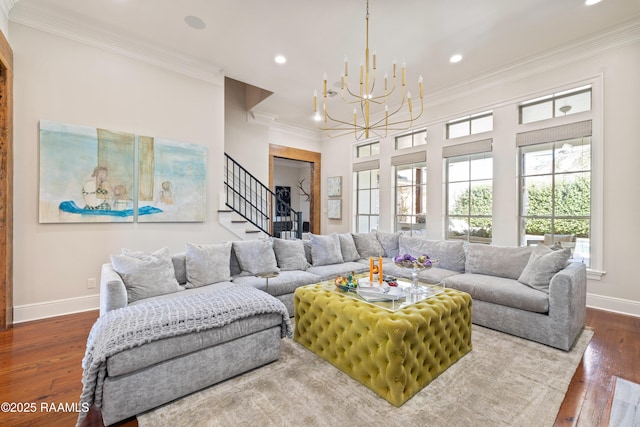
point(255, 256)
point(543, 264)
point(290, 254)
point(146, 275)
point(325, 250)
point(348, 247)
point(368, 245)
point(389, 242)
point(207, 264)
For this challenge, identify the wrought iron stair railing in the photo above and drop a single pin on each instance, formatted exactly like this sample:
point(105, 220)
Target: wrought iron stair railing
point(255, 202)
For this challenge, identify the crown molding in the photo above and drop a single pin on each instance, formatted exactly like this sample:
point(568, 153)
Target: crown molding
point(47, 22)
point(617, 37)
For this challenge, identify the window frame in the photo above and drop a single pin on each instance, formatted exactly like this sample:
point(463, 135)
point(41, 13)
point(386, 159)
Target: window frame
point(469, 119)
point(418, 218)
point(469, 216)
point(356, 197)
point(553, 98)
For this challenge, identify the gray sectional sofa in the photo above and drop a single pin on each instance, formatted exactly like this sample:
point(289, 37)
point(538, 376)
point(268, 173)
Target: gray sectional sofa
point(531, 292)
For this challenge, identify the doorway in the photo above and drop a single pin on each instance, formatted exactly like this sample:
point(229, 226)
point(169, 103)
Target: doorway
point(313, 159)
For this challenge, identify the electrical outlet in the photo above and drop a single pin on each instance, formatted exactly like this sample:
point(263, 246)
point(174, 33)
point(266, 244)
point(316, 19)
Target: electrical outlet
point(91, 283)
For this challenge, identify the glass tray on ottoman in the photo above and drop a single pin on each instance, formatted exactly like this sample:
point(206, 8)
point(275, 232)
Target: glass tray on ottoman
point(395, 299)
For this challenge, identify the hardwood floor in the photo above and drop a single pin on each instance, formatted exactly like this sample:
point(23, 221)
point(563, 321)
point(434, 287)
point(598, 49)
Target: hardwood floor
point(40, 371)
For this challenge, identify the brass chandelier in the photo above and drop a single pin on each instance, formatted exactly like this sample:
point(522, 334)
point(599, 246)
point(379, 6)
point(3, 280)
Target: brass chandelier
point(366, 99)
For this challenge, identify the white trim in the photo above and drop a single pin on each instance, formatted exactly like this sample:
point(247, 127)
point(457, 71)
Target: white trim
point(616, 305)
point(135, 49)
point(43, 310)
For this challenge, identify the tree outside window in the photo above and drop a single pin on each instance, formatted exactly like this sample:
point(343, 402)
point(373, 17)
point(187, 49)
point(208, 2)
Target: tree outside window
point(556, 194)
point(470, 197)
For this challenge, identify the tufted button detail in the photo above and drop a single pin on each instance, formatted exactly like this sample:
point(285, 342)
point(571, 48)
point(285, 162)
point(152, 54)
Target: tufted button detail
point(393, 353)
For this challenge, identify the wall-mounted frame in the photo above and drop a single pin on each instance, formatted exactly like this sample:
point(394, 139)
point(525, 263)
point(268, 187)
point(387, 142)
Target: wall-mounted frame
point(334, 208)
point(91, 175)
point(334, 186)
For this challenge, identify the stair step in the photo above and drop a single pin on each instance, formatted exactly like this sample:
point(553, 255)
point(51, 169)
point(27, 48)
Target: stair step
point(225, 210)
point(251, 231)
point(238, 221)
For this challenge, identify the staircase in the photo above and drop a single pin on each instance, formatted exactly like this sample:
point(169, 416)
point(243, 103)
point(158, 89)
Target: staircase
point(250, 207)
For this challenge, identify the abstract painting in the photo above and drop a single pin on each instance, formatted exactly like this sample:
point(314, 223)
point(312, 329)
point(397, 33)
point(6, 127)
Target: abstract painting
point(81, 169)
point(334, 186)
point(334, 208)
point(91, 175)
point(172, 178)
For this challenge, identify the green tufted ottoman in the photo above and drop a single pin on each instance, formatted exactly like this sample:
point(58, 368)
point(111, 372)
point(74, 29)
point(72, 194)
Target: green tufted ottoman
point(394, 353)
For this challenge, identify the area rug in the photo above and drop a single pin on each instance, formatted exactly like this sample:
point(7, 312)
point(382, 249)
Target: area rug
point(503, 381)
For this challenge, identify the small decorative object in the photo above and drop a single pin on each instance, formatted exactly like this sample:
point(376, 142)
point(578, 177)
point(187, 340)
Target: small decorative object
point(414, 264)
point(375, 270)
point(346, 283)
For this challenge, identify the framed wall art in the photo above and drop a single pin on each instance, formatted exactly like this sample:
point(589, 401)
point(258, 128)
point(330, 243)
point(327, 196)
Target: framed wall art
point(334, 208)
point(334, 186)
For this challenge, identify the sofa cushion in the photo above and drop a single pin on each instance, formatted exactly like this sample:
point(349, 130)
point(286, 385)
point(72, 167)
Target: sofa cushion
point(450, 254)
point(255, 256)
point(368, 245)
point(501, 291)
point(207, 264)
point(390, 243)
point(543, 264)
point(146, 274)
point(498, 261)
point(180, 266)
point(328, 272)
point(285, 283)
point(290, 254)
point(325, 250)
point(348, 247)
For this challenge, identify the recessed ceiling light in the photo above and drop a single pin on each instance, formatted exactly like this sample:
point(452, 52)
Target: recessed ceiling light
point(195, 22)
point(592, 2)
point(455, 58)
point(280, 59)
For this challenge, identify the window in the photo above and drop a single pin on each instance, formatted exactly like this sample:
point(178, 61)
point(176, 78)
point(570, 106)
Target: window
point(555, 206)
point(367, 198)
point(470, 125)
point(366, 150)
point(556, 105)
point(411, 140)
point(411, 197)
point(469, 190)
point(470, 197)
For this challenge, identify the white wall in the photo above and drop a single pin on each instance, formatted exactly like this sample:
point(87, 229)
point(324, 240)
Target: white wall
point(615, 125)
point(70, 82)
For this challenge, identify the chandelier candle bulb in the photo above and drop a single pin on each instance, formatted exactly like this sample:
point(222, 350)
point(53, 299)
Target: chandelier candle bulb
point(315, 101)
point(366, 120)
point(324, 77)
point(404, 73)
point(409, 101)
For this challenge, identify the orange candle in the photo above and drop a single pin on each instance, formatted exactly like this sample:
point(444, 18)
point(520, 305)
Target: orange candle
point(380, 270)
point(370, 270)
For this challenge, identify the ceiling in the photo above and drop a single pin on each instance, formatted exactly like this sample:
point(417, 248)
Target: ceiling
point(241, 38)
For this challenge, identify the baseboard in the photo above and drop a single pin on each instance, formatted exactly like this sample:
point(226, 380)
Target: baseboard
point(28, 312)
point(617, 305)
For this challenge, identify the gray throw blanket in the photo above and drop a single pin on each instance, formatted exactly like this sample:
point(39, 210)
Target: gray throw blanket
point(135, 325)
